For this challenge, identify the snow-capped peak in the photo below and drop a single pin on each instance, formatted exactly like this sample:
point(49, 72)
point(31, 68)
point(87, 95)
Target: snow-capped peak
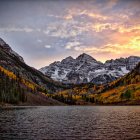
point(86, 69)
point(68, 59)
point(85, 57)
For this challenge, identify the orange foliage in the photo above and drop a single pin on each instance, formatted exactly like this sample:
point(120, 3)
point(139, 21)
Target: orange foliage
point(10, 74)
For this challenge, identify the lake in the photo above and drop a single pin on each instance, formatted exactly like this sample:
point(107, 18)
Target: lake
point(70, 123)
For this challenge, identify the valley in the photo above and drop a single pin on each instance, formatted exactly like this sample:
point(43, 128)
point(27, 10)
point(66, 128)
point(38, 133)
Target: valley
point(115, 82)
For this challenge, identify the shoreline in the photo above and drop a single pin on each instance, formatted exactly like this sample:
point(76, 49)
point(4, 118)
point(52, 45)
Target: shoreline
point(10, 106)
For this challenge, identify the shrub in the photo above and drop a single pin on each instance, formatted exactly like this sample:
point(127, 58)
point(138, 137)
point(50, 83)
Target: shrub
point(126, 95)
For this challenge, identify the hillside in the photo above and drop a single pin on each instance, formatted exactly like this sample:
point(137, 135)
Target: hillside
point(125, 90)
point(22, 83)
point(18, 91)
point(15, 63)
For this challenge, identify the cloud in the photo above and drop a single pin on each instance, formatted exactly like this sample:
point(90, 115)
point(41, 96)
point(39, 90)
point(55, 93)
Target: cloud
point(132, 47)
point(120, 27)
point(47, 46)
point(64, 29)
point(75, 13)
point(77, 48)
point(16, 29)
point(71, 45)
point(99, 27)
point(40, 41)
point(102, 28)
point(111, 3)
point(123, 29)
point(97, 16)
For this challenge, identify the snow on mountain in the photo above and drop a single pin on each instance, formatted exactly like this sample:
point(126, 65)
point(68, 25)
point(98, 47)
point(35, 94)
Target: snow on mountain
point(85, 69)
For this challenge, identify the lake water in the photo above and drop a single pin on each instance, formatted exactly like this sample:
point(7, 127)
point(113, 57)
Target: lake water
point(71, 122)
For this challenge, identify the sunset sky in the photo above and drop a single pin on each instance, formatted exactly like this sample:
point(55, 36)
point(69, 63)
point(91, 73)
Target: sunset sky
point(47, 31)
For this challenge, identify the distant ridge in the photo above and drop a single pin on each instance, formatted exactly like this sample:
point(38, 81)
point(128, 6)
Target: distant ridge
point(86, 69)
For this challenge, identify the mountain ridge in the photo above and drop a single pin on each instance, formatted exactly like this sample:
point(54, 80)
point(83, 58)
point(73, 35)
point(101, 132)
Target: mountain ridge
point(12, 61)
point(123, 91)
point(85, 68)
point(26, 79)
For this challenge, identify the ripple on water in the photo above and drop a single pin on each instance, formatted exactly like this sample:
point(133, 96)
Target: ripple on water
point(71, 122)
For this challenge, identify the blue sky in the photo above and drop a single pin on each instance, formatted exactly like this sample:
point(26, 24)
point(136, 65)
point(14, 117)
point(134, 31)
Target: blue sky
point(50, 30)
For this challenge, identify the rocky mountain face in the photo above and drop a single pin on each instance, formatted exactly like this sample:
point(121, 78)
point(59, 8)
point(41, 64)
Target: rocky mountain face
point(86, 69)
point(123, 91)
point(13, 62)
point(8, 49)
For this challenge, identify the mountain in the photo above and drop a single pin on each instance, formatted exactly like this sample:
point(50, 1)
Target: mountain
point(23, 85)
point(123, 91)
point(18, 91)
point(18, 78)
point(7, 48)
point(86, 69)
point(15, 63)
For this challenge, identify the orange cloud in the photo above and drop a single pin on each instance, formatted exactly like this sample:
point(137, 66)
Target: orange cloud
point(99, 27)
point(114, 50)
point(111, 3)
point(97, 16)
point(122, 28)
point(93, 15)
